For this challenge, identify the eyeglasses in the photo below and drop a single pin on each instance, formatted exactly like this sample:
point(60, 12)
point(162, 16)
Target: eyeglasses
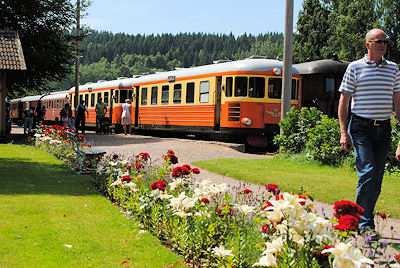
point(379, 41)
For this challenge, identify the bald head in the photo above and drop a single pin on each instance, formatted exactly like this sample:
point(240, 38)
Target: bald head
point(374, 33)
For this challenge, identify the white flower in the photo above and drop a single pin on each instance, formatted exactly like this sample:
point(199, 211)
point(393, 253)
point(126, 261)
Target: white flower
point(268, 260)
point(131, 186)
point(176, 183)
point(222, 252)
point(116, 182)
point(274, 247)
point(245, 209)
point(182, 204)
point(347, 256)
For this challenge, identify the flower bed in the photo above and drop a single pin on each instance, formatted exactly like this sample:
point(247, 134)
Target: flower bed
point(213, 225)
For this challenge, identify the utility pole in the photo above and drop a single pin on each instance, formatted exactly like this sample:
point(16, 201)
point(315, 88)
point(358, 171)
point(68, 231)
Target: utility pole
point(77, 52)
point(287, 59)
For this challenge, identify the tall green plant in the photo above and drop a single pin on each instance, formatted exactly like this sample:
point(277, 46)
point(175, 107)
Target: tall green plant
point(295, 128)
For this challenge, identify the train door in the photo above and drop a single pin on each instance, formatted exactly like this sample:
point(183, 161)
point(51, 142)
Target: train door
point(217, 118)
point(136, 101)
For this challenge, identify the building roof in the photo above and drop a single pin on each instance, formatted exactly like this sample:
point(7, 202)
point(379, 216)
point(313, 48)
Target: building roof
point(11, 55)
point(326, 66)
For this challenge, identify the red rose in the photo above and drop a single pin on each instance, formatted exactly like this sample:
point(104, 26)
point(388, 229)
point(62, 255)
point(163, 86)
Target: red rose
point(272, 188)
point(247, 191)
point(159, 184)
point(265, 229)
point(347, 223)
point(196, 171)
point(344, 207)
point(126, 178)
point(302, 196)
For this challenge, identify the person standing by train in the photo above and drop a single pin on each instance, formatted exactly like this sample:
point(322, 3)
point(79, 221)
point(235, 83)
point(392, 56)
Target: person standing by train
point(80, 120)
point(101, 110)
point(126, 116)
point(373, 85)
point(28, 119)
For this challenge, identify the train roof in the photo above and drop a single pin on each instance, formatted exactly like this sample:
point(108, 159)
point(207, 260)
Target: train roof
point(326, 66)
point(51, 96)
point(250, 65)
point(119, 83)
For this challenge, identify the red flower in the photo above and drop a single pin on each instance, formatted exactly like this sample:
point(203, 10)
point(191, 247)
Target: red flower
point(397, 257)
point(266, 205)
point(344, 207)
point(196, 171)
point(272, 188)
point(159, 184)
point(302, 196)
point(247, 191)
point(205, 200)
point(176, 172)
point(143, 156)
point(265, 229)
point(279, 197)
point(170, 156)
point(186, 169)
point(347, 223)
point(138, 165)
point(126, 178)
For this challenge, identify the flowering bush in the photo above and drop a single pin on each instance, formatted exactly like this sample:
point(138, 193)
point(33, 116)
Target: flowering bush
point(212, 225)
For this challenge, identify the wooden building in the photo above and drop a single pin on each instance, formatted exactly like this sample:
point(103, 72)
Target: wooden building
point(11, 59)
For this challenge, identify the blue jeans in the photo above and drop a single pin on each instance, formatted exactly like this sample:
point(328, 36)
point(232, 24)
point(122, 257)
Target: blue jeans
point(371, 143)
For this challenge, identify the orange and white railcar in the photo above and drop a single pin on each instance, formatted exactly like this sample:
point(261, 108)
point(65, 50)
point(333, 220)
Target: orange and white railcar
point(240, 99)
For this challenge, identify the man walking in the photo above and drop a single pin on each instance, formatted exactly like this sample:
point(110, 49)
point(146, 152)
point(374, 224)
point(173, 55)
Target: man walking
point(101, 110)
point(373, 85)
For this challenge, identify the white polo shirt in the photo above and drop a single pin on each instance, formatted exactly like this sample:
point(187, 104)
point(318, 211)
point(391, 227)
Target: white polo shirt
point(371, 87)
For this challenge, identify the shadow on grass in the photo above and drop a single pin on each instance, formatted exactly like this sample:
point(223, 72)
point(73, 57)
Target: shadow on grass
point(23, 176)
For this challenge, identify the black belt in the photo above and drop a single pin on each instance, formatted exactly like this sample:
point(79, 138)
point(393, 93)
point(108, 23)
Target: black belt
point(372, 122)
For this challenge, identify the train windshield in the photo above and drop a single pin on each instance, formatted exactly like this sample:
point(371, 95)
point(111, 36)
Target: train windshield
point(252, 87)
point(275, 88)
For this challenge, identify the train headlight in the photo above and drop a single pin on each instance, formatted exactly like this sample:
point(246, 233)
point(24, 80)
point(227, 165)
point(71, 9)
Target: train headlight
point(246, 121)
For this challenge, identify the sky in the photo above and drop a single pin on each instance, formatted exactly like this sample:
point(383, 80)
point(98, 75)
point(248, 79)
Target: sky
point(175, 16)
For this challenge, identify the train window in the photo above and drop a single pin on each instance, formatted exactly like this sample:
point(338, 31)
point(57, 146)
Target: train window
point(86, 99)
point(257, 87)
point(92, 99)
point(240, 86)
point(123, 95)
point(143, 99)
point(190, 92)
point(275, 88)
point(105, 98)
point(329, 85)
point(177, 93)
point(204, 91)
point(130, 92)
point(80, 98)
point(228, 87)
point(116, 96)
point(154, 95)
point(98, 97)
point(165, 94)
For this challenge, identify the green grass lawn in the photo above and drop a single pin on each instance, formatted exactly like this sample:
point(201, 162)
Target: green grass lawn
point(52, 217)
point(324, 183)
